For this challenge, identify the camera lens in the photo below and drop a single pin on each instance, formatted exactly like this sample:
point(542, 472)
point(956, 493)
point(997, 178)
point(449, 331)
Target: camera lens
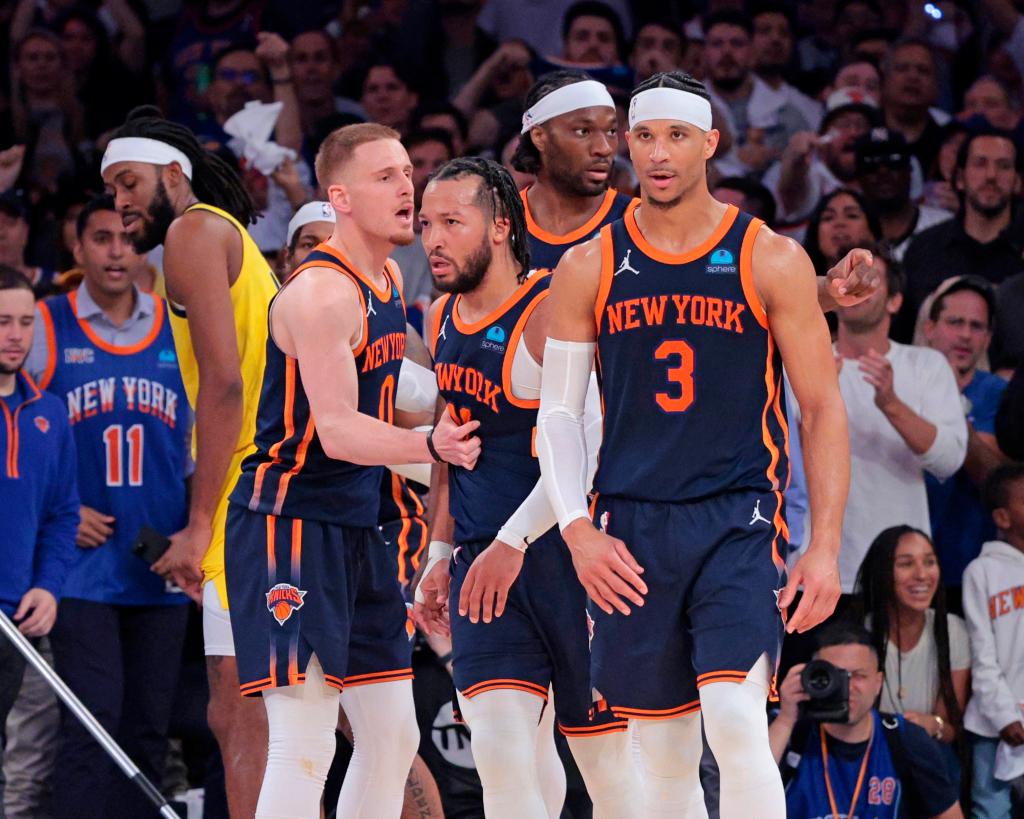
point(820, 680)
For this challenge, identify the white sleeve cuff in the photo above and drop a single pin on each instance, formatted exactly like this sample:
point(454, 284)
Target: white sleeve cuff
point(417, 388)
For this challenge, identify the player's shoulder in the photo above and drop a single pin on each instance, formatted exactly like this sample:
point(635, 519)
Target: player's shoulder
point(198, 224)
point(776, 250)
point(584, 257)
point(319, 287)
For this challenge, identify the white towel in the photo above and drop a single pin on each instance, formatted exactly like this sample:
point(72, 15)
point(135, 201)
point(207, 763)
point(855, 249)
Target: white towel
point(251, 129)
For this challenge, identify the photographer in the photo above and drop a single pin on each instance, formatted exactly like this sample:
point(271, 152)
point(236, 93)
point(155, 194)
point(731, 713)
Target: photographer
point(843, 757)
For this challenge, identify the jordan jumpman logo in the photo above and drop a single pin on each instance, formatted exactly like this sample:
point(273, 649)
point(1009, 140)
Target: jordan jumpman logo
point(625, 265)
point(757, 516)
point(369, 305)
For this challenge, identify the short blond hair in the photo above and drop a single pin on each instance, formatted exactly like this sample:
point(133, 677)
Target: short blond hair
point(340, 144)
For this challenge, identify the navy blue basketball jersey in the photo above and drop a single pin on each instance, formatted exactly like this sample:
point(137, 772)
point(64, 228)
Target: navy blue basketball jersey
point(129, 417)
point(690, 377)
point(473, 363)
point(290, 474)
point(546, 248)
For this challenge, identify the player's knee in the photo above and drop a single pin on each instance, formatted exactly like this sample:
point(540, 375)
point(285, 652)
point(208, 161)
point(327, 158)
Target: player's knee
point(733, 713)
point(670, 748)
point(406, 739)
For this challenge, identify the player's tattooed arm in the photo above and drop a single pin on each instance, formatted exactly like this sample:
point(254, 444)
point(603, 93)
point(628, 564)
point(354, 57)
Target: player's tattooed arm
point(784, 281)
point(850, 281)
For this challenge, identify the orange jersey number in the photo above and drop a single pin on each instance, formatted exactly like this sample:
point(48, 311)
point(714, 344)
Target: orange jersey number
point(681, 374)
point(386, 411)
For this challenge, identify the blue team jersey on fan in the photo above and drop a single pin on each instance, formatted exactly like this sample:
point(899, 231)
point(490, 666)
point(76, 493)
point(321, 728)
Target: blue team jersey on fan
point(128, 414)
point(290, 474)
point(546, 248)
point(686, 361)
point(473, 364)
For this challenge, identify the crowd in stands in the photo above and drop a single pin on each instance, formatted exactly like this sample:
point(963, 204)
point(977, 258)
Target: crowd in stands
point(893, 126)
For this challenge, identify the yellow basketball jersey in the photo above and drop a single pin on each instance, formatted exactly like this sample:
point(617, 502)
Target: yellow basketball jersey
point(250, 299)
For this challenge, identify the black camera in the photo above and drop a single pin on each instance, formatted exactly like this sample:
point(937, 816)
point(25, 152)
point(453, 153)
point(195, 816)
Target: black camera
point(828, 688)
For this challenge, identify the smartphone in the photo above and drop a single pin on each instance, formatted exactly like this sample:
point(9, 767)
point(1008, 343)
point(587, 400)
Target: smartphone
point(150, 545)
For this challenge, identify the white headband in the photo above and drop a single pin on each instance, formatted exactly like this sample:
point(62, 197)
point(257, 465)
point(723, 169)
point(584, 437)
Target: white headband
point(310, 212)
point(586, 94)
point(142, 149)
point(670, 103)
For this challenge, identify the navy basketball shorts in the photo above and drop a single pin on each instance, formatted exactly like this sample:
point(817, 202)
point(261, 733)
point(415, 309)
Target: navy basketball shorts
point(713, 575)
point(300, 587)
point(405, 539)
point(540, 641)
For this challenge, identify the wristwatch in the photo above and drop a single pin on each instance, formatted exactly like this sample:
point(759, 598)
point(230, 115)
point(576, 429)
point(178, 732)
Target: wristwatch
point(942, 726)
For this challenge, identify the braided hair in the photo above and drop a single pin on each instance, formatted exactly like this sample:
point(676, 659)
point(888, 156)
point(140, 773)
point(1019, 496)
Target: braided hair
point(877, 588)
point(496, 194)
point(526, 158)
point(679, 80)
point(214, 181)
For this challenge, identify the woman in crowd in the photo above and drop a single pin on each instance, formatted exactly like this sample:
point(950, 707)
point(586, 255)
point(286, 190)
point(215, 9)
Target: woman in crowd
point(923, 650)
point(842, 221)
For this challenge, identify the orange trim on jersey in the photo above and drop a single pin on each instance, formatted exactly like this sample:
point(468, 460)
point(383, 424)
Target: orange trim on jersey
point(343, 261)
point(352, 277)
point(334, 682)
point(747, 273)
point(296, 550)
point(51, 345)
point(255, 687)
point(510, 354)
point(721, 676)
point(505, 683)
point(588, 227)
point(300, 461)
point(436, 329)
point(378, 677)
point(271, 578)
point(616, 727)
point(475, 327)
point(771, 388)
point(421, 510)
point(703, 249)
point(780, 416)
point(664, 713)
point(403, 535)
point(289, 431)
point(604, 286)
point(131, 349)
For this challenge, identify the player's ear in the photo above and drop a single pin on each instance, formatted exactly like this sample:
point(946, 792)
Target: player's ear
point(539, 137)
point(711, 142)
point(172, 175)
point(339, 198)
point(500, 230)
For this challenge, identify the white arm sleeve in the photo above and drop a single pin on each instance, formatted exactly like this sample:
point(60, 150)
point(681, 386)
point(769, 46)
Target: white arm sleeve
point(417, 388)
point(420, 473)
point(561, 441)
point(535, 516)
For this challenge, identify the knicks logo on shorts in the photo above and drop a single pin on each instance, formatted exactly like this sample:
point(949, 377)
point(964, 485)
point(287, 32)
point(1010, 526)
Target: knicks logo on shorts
point(283, 599)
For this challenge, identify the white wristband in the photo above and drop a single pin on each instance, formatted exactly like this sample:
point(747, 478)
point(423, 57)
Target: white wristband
point(437, 552)
point(512, 539)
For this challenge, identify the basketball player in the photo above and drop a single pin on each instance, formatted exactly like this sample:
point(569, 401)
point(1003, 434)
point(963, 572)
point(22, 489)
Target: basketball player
point(171, 191)
point(316, 608)
point(402, 514)
point(692, 308)
point(510, 645)
point(569, 139)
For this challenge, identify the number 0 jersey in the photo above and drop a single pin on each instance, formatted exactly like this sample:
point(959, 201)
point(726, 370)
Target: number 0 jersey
point(690, 377)
point(290, 474)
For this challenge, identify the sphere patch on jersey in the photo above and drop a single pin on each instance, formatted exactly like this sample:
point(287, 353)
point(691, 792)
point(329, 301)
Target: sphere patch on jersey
point(283, 599)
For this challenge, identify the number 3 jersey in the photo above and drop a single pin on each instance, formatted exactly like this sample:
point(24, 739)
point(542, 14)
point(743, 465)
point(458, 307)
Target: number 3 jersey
point(290, 474)
point(129, 417)
point(690, 377)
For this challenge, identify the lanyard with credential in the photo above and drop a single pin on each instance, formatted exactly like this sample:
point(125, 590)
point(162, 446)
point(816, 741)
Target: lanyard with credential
point(860, 776)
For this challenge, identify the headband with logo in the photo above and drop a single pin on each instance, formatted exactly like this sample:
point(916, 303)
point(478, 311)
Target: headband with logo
point(670, 103)
point(310, 212)
point(143, 149)
point(585, 94)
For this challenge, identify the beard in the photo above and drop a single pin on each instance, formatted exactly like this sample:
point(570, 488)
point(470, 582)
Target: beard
point(403, 239)
point(730, 83)
point(12, 369)
point(570, 181)
point(155, 223)
point(989, 210)
point(470, 273)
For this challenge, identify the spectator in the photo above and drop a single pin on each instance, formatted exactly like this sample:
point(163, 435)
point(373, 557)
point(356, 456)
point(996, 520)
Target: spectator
point(538, 23)
point(922, 649)
point(522, 180)
point(939, 190)
point(748, 195)
point(14, 232)
point(772, 43)
point(861, 76)
point(909, 89)
point(97, 67)
point(994, 609)
point(388, 96)
point(38, 487)
point(959, 325)
point(988, 98)
point(118, 639)
point(813, 165)
point(448, 118)
point(428, 151)
point(493, 98)
point(592, 35)
point(659, 46)
point(465, 45)
point(761, 119)
point(905, 419)
point(842, 221)
point(883, 162)
point(880, 761)
point(313, 60)
point(981, 240)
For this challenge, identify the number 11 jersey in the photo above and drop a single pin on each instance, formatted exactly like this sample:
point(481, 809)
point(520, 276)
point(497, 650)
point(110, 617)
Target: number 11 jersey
point(690, 376)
